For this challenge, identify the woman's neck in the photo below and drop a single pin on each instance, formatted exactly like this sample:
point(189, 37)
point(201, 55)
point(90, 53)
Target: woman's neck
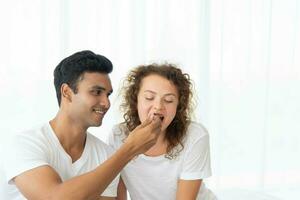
point(159, 148)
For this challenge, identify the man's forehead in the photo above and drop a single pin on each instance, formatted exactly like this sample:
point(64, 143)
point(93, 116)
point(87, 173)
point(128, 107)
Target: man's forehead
point(95, 78)
point(91, 76)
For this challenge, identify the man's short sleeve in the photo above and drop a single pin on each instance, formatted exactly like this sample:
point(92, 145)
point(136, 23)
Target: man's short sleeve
point(23, 153)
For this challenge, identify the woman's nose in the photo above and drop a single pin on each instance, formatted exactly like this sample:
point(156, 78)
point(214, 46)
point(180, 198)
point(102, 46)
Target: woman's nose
point(158, 106)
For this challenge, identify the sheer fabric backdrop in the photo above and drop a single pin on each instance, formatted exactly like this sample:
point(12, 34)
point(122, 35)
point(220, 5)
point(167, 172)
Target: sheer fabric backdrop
point(244, 58)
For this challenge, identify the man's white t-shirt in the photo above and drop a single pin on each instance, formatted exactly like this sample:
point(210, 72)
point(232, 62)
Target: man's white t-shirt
point(41, 146)
point(156, 178)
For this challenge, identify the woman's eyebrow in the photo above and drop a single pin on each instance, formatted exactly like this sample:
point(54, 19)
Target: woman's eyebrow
point(150, 91)
point(170, 94)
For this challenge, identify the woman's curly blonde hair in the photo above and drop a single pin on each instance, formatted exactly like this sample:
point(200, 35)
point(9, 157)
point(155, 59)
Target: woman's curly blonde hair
point(177, 129)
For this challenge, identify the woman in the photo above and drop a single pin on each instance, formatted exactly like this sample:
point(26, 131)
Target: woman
point(176, 165)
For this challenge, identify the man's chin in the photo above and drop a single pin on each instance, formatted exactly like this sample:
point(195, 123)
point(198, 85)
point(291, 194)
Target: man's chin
point(99, 124)
point(96, 124)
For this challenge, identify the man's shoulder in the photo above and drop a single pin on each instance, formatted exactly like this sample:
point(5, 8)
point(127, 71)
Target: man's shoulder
point(34, 139)
point(26, 150)
point(36, 133)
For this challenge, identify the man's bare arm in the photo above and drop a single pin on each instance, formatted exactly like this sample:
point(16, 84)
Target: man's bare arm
point(44, 183)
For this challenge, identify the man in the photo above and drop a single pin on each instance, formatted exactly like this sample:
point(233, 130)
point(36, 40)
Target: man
point(61, 160)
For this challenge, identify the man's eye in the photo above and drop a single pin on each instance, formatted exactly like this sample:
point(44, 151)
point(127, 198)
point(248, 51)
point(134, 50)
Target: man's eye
point(96, 92)
point(149, 98)
point(108, 94)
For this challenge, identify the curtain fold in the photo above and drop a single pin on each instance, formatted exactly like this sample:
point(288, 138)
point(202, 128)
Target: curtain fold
point(244, 58)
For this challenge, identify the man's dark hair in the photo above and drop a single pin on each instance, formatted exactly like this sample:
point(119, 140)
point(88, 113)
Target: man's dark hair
point(71, 69)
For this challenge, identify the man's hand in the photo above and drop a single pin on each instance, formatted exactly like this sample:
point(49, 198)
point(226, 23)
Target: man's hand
point(45, 182)
point(144, 136)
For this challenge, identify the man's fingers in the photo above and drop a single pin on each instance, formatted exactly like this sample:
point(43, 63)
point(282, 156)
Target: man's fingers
point(145, 135)
point(156, 124)
point(145, 123)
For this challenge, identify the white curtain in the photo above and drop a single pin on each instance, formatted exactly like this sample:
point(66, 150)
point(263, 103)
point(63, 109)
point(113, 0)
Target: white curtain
point(243, 55)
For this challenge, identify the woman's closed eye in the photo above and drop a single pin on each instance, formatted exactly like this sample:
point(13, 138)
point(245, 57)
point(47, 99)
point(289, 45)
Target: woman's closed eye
point(169, 100)
point(149, 98)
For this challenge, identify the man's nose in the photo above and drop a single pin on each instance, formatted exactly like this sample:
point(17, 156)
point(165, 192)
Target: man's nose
point(104, 101)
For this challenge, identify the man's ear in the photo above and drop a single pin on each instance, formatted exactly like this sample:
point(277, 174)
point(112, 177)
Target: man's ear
point(66, 92)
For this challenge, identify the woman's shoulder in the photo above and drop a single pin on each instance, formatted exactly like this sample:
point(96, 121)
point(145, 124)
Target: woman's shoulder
point(196, 131)
point(119, 131)
point(119, 128)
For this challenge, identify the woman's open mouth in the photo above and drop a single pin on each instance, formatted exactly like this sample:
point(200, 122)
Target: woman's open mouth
point(161, 117)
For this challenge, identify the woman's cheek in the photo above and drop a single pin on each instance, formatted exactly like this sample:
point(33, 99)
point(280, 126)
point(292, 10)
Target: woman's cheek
point(143, 113)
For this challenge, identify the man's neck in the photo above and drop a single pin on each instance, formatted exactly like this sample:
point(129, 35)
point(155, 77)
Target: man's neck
point(71, 135)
